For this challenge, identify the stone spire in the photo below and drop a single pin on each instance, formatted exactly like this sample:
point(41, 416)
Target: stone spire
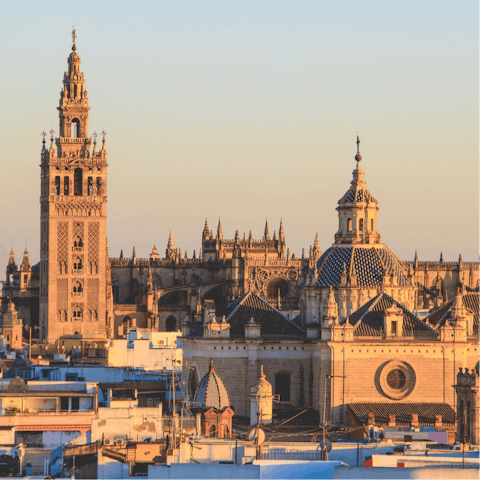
point(331, 312)
point(266, 235)
point(274, 235)
point(206, 232)
point(25, 262)
point(281, 233)
point(357, 211)
point(171, 243)
point(219, 231)
point(11, 267)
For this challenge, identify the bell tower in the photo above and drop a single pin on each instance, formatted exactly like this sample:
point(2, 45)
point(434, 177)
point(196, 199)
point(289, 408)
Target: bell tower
point(75, 289)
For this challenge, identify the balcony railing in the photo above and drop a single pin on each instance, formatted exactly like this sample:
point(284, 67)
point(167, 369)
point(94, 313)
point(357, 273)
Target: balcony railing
point(77, 249)
point(77, 294)
point(77, 271)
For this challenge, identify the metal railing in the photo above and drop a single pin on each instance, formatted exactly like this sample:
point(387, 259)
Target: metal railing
point(279, 455)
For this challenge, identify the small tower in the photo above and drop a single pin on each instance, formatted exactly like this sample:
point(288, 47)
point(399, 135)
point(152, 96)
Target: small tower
point(12, 327)
point(357, 211)
point(261, 401)
point(206, 232)
point(26, 272)
point(154, 255)
point(11, 267)
point(170, 252)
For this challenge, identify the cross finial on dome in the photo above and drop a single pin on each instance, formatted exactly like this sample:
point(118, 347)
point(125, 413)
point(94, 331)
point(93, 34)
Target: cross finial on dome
point(358, 157)
point(212, 367)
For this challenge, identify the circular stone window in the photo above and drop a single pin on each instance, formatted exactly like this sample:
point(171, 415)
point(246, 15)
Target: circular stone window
point(397, 379)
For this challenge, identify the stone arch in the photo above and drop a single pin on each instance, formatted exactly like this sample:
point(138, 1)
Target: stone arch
point(219, 295)
point(276, 284)
point(78, 182)
point(75, 126)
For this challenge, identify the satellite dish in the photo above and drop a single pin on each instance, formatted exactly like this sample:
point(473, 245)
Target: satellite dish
point(257, 432)
point(328, 444)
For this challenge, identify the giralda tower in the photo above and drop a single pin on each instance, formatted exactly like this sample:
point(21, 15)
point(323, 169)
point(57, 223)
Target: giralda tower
point(75, 286)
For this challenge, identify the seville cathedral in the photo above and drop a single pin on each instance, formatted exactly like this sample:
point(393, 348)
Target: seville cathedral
point(350, 329)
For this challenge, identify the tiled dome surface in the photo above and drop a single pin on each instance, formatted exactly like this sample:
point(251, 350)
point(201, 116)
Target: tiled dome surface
point(211, 391)
point(370, 266)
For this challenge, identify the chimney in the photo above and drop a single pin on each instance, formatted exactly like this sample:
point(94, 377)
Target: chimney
point(414, 422)
point(392, 422)
point(371, 418)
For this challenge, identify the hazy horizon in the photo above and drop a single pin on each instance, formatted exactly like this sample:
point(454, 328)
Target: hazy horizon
point(249, 111)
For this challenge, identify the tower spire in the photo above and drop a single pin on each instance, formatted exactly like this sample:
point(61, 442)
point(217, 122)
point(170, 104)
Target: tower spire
point(266, 235)
point(281, 233)
point(219, 231)
point(11, 262)
point(206, 232)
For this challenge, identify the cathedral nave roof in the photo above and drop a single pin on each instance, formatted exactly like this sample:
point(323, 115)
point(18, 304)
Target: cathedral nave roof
point(271, 321)
point(368, 320)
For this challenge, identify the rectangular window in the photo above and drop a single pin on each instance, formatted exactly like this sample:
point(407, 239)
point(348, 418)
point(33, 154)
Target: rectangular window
point(66, 186)
point(71, 377)
point(75, 404)
point(282, 386)
point(64, 404)
point(394, 328)
point(57, 185)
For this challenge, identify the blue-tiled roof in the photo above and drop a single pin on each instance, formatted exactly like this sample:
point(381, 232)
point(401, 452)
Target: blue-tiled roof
point(368, 319)
point(370, 264)
point(358, 195)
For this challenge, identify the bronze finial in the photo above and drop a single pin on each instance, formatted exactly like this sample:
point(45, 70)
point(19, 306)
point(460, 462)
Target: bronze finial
point(43, 134)
point(74, 37)
point(358, 157)
point(52, 133)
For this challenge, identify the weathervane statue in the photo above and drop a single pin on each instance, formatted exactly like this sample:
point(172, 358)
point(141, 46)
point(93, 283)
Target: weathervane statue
point(74, 37)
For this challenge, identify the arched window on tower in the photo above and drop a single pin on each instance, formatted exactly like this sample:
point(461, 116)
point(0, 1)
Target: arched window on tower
point(90, 186)
point(78, 182)
point(57, 185)
point(371, 224)
point(349, 225)
point(66, 186)
point(75, 128)
point(360, 225)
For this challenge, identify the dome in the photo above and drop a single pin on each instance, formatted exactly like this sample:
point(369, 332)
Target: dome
point(369, 264)
point(211, 391)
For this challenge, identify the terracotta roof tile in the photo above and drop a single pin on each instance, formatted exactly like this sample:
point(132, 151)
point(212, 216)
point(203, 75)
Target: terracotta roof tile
point(272, 322)
point(403, 412)
point(368, 319)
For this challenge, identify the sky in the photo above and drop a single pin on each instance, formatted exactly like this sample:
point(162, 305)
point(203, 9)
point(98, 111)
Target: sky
point(248, 111)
